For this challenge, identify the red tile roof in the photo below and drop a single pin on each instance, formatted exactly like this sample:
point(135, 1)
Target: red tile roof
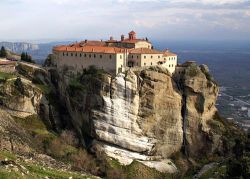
point(168, 53)
point(144, 51)
point(89, 49)
point(133, 40)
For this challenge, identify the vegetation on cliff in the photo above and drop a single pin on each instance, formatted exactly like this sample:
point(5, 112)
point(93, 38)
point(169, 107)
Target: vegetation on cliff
point(63, 116)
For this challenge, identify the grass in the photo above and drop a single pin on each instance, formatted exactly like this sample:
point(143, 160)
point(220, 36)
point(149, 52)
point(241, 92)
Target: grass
point(40, 171)
point(6, 76)
point(8, 155)
point(138, 170)
point(214, 172)
point(32, 123)
point(35, 171)
point(4, 174)
point(75, 84)
point(46, 89)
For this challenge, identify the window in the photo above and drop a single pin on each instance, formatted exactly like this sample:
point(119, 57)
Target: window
point(151, 56)
point(67, 54)
point(121, 65)
point(137, 57)
point(165, 59)
point(132, 56)
point(169, 65)
point(85, 55)
point(144, 57)
point(63, 53)
point(94, 55)
point(120, 56)
point(71, 54)
point(159, 57)
point(89, 55)
point(110, 56)
point(76, 54)
point(80, 55)
point(151, 63)
point(144, 64)
point(100, 56)
point(172, 65)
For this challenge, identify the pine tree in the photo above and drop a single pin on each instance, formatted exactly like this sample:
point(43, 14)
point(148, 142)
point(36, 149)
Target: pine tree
point(23, 56)
point(3, 53)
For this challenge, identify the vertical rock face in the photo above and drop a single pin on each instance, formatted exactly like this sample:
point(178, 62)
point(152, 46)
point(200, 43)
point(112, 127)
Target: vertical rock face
point(143, 114)
point(199, 95)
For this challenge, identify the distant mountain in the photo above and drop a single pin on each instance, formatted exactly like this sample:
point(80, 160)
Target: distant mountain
point(19, 47)
point(39, 52)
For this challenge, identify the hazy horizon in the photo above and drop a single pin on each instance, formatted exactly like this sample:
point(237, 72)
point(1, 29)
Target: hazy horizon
point(57, 20)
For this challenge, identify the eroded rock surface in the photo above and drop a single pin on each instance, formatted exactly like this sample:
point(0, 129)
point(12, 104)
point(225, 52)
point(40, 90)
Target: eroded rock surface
point(146, 114)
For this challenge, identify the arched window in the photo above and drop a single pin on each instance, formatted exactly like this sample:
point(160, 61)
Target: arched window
point(100, 56)
point(85, 55)
point(94, 55)
point(144, 57)
point(89, 55)
point(151, 56)
point(72, 54)
point(80, 55)
point(110, 56)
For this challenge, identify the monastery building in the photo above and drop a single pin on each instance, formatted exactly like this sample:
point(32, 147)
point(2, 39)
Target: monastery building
point(113, 56)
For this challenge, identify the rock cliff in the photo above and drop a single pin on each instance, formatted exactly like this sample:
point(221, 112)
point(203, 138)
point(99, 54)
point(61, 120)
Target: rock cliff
point(144, 114)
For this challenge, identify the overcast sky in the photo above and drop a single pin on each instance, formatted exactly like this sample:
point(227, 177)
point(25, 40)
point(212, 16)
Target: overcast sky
point(99, 19)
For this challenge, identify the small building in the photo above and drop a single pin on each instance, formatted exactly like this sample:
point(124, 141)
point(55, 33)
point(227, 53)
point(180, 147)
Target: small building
point(7, 66)
point(113, 56)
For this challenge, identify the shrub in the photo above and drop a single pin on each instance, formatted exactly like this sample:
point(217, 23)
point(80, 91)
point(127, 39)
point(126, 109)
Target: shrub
point(69, 138)
point(193, 71)
point(19, 85)
point(83, 161)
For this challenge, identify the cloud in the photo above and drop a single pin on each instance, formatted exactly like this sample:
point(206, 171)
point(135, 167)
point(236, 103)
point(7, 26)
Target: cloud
point(34, 19)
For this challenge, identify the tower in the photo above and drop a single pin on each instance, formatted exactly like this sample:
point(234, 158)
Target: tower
point(132, 35)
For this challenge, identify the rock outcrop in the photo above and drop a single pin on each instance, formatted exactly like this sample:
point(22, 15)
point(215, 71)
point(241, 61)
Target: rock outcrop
point(146, 114)
point(12, 137)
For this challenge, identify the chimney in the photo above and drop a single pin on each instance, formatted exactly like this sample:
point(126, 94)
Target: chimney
point(111, 38)
point(122, 37)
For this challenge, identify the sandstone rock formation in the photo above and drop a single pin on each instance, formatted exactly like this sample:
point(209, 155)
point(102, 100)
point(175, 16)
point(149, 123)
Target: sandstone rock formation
point(145, 114)
point(12, 137)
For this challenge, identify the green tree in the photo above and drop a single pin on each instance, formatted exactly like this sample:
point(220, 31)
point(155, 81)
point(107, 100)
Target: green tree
point(19, 85)
point(3, 52)
point(23, 56)
point(26, 57)
point(238, 149)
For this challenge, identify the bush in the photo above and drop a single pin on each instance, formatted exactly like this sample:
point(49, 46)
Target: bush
point(19, 85)
point(69, 138)
point(83, 161)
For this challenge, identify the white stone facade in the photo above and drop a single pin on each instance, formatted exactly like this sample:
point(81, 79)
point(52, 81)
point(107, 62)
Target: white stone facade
point(113, 56)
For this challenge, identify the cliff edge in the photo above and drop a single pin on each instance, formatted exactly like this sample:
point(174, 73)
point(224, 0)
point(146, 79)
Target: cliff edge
point(144, 114)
